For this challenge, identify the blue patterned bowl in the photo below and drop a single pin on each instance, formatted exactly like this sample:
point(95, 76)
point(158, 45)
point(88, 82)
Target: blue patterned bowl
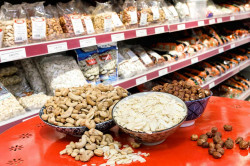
point(195, 109)
point(78, 131)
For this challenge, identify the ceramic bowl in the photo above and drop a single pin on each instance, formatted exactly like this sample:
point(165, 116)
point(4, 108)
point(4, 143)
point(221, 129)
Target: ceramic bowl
point(195, 110)
point(156, 137)
point(78, 131)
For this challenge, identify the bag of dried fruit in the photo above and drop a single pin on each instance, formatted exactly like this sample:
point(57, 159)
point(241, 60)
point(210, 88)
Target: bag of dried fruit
point(171, 14)
point(70, 19)
point(129, 15)
point(53, 28)
point(15, 28)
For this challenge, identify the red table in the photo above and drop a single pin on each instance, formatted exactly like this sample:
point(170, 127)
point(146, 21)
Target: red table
point(33, 143)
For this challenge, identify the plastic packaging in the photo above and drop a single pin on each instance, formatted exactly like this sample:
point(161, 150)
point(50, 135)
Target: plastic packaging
point(88, 63)
point(197, 8)
point(182, 9)
point(154, 16)
point(70, 19)
point(157, 59)
point(34, 102)
point(36, 23)
point(142, 12)
point(1, 38)
point(108, 64)
point(33, 76)
point(15, 30)
point(53, 28)
point(59, 71)
point(143, 56)
point(9, 106)
point(129, 16)
point(171, 15)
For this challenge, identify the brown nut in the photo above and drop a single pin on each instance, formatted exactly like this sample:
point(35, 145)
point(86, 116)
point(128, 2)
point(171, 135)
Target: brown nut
point(216, 155)
point(214, 129)
point(228, 128)
point(211, 145)
point(218, 146)
point(244, 144)
point(216, 139)
point(211, 151)
point(194, 137)
point(229, 144)
point(221, 151)
point(200, 142)
point(209, 134)
point(221, 142)
point(98, 152)
point(218, 134)
point(135, 145)
point(238, 140)
point(204, 136)
point(205, 145)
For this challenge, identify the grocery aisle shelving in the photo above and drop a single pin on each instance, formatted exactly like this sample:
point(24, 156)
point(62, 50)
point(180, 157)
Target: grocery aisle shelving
point(244, 95)
point(43, 48)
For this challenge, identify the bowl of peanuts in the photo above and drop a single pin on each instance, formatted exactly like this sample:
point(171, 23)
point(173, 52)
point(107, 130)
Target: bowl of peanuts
point(150, 117)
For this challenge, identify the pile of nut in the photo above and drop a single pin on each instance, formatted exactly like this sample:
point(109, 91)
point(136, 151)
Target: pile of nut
point(216, 147)
point(183, 90)
point(8, 37)
point(94, 142)
point(82, 106)
point(53, 28)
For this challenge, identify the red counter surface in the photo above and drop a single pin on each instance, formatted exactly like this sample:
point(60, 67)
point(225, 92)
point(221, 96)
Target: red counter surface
point(33, 143)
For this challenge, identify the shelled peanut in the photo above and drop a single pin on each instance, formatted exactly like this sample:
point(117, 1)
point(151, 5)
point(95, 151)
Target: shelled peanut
point(82, 106)
point(53, 29)
point(66, 24)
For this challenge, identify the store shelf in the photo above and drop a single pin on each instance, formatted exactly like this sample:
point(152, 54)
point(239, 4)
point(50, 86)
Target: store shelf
point(244, 95)
point(4, 125)
point(43, 48)
point(217, 80)
point(204, 22)
point(163, 70)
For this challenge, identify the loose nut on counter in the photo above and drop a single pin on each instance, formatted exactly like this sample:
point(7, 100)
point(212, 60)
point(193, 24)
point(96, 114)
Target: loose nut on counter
point(82, 106)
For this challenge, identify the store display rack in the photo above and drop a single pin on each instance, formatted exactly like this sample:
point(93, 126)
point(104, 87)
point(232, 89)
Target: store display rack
point(43, 48)
point(163, 70)
point(244, 95)
point(217, 80)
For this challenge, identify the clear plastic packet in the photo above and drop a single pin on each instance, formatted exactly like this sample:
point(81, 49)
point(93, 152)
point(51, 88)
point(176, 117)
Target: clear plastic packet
point(126, 69)
point(182, 9)
point(173, 12)
point(168, 15)
point(70, 19)
point(33, 76)
point(53, 28)
point(1, 28)
point(102, 17)
point(108, 64)
point(117, 7)
point(142, 13)
point(154, 16)
point(143, 56)
point(15, 30)
point(60, 71)
point(9, 106)
point(129, 15)
point(157, 59)
point(86, 17)
point(88, 63)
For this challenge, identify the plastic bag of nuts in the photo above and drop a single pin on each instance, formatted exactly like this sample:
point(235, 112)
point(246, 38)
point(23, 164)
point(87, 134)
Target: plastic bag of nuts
point(171, 14)
point(154, 16)
point(142, 13)
point(53, 28)
point(15, 28)
point(88, 63)
point(129, 15)
point(143, 56)
point(70, 19)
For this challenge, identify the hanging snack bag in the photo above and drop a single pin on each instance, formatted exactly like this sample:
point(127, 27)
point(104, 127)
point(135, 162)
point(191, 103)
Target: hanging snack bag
point(102, 18)
point(108, 64)
point(117, 16)
point(15, 30)
point(129, 16)
point(154, 12)
point(157, 59)
point(36, 22)
point(142, 12)
point(173, 12)
point(53, 28)
point(182, 9)
point(70, 19)
point(88, 63)
point(143, 56)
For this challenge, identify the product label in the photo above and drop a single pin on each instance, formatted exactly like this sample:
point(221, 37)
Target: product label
point(116, 20)
point(89, 25)
point(11, 55)
point(163, 72)
point(143, 19)
point(117, 37)
point(108, 24)
point(105, 57)
point(146, 59)
point(156, 14)
point(38, 27)
point(20, 30)
point(154, 54)
point(141, 32)
point(88, 42)
point(173, 11)
point(4, 94)
point(91, 62)
point(59, 47)
point(159, 30)
point(132, 56)
point(167, 14)
point(141, 80)
point(77, 24)
point(133, 16)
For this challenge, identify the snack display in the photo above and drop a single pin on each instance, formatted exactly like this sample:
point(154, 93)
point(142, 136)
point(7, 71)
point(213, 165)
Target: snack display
point(129, 14)
point(33, 102)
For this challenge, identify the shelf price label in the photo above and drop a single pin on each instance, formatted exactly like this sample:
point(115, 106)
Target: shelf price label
point(159, 30)
point(181, 26)
point(11, 55)
point(232, 46)
point(221, 50)
point(201, 23)
point(141, 80)
point(212, 21)
point(117, 37)
point(194, 60)
point(232, 18)
point(140, 33)
point(163, 72)
point(59, 47)
point(219, 20)
point(87, 42)
point(211, 85)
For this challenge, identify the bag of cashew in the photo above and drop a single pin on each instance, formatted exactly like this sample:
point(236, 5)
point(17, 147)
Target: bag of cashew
point(88, 63)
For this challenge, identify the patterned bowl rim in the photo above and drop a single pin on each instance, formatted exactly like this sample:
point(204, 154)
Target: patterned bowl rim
point(154, 132)
point(63, 127)
point(211, 94)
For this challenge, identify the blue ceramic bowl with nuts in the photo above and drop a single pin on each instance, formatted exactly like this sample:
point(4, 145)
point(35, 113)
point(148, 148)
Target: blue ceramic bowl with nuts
point(78, 131)
point(195, 110)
